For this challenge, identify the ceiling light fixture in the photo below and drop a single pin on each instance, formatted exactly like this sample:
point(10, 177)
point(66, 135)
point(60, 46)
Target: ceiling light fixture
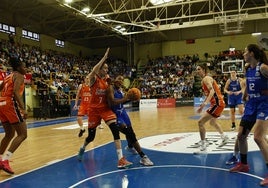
point(68, 1)
point(255, 34)
point(86, 9)
point(159, 2)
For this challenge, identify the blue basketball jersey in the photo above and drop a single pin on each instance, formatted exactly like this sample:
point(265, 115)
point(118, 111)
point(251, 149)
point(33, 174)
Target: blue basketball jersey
point(118, 94)
point(119, 110)
point(233, 99)
point(257, 105)
point(234, 85)
point(256, 82)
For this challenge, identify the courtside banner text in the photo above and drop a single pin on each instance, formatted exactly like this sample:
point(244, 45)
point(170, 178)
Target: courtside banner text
point(148, 103)
point(166, 103)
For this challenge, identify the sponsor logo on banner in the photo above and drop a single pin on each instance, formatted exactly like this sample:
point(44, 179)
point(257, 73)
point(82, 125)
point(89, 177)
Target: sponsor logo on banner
point(166, 103)
point(184, 102)
point(148, 103)
point(74, 112)
point(198, 101)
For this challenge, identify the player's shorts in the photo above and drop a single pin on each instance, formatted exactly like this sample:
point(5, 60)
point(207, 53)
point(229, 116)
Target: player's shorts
point(234, 100)
point(215, 110)
point(256, 108)
point(95, 115)
point(9, 112)
point(83, 110)
point(123, 118)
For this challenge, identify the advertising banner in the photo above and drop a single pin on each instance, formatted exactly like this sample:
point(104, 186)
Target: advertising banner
point(184, 102)
point(198, 101)
point(74, 112)
point(148, 103)
point(166, 103)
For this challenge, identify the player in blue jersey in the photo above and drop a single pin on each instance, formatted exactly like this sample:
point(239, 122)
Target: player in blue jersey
point(116, 100)
point(256, 107)
point(234, 87)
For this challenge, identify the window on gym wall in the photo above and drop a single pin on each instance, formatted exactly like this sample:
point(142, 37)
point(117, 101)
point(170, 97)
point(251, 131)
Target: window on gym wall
point(59, 43)
point(7, 28)
point(30, 35)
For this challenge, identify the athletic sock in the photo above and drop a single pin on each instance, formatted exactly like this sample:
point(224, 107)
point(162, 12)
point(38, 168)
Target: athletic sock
point(119, 153)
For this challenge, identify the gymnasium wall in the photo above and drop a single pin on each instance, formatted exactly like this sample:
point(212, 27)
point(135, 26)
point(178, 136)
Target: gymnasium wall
point(142, 52)
point(212, 46)
point(47, 42)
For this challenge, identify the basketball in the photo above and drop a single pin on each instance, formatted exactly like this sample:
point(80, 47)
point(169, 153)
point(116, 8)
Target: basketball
point(134, 93)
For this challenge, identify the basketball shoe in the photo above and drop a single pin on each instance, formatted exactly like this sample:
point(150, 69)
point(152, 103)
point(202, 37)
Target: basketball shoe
point(4, 165)
point(146, 161)
point(264, 182)
point(240, 167)
point(233, 127)
point(202, 151)
point(81, 132)
point(224, 141)
point(123, 163)
point(232, 160)
point(80, 154)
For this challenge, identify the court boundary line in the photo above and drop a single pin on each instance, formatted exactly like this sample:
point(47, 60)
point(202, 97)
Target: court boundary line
point(49, 164)
point(162, 166)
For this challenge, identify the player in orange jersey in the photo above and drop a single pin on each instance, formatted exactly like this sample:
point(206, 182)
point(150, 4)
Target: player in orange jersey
point(12, 113)
point(217, 105)
point(83, 92)
point(99, 109)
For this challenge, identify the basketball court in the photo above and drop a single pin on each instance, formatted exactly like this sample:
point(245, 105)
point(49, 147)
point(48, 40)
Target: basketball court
point(168, 137)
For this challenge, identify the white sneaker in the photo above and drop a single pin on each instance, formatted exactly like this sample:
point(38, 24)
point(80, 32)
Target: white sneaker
point(146, 161)
point(202, 151)
point(224, 141)
point(200, 143)
point(131, 150)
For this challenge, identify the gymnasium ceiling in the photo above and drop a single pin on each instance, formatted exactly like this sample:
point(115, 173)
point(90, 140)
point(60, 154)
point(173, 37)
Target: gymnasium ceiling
point(143, 22)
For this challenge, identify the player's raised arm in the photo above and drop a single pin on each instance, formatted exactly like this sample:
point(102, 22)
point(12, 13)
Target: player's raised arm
point(98, 66)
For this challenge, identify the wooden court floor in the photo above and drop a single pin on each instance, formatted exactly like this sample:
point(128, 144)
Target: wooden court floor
point(47, 144)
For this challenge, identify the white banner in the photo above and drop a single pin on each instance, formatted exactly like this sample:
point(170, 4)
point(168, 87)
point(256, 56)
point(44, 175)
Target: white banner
point(148, 103)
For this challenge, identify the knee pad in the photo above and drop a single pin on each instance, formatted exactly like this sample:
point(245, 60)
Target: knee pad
point(247, 125)
point(115, 131)
point(130, 135)
point(91, 135)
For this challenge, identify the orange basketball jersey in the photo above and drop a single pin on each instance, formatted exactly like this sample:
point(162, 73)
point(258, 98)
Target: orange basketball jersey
point(98, 93)
point(217, 97)
point(85, 94)
point(9, 110)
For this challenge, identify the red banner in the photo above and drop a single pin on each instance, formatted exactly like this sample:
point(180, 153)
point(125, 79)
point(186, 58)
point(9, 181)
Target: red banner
point(166, 103)
point(28, 78)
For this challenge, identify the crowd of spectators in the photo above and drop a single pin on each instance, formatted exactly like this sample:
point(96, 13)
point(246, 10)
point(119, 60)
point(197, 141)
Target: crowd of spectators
point(56, 76)
point(174, 76)
point(170, 76)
